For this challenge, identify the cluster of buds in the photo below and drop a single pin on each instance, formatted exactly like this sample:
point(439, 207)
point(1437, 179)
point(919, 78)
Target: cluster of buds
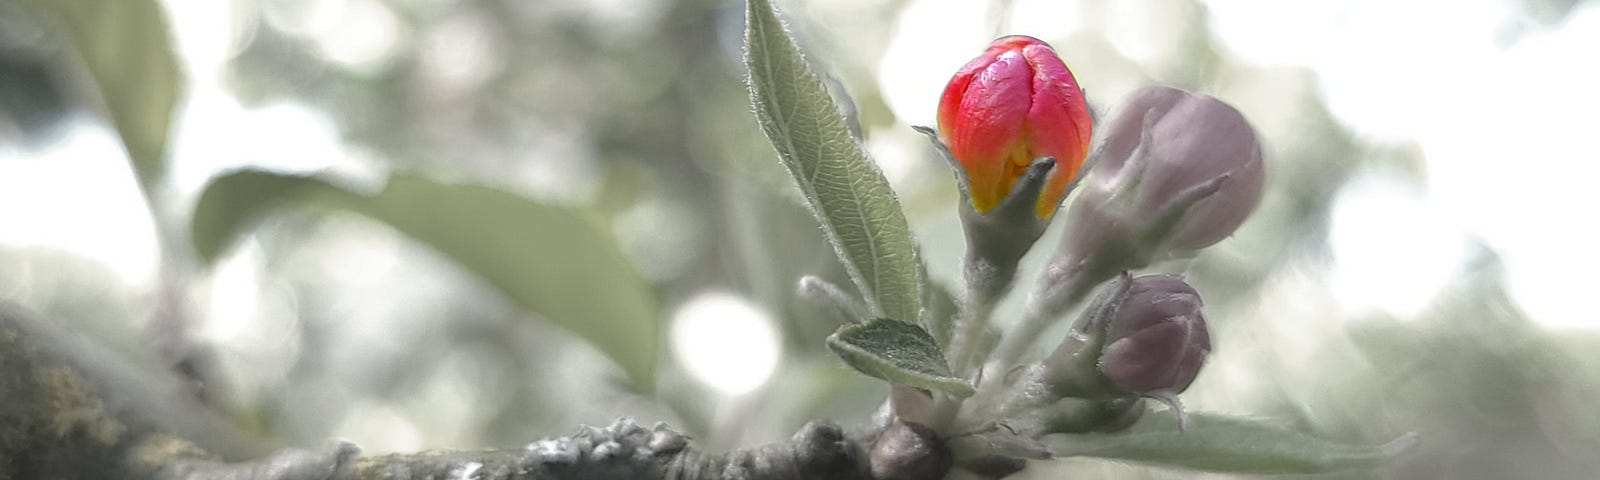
point(1176, 172)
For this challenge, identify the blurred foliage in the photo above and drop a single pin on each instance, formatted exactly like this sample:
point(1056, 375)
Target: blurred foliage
point(1220, 443)
point(552, 260)
point(127, 51)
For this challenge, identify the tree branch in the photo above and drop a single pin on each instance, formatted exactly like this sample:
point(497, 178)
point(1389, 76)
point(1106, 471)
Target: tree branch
point(72, 410)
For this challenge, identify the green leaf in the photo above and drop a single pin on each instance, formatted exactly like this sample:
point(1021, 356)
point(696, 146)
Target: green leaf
point(849, 196)
point(124, 44)
point(900, 352)
point(1222, 443)
point(556, 261)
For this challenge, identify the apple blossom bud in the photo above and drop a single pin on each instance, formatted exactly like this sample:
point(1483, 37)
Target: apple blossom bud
point(1174, 141)
point(1015, 103)
point(1143, 335)
point(1156, 339)
point(1178, 172)
point(1014, 127)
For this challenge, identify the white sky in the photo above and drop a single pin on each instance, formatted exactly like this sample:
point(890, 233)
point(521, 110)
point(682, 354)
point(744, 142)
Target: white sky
point(1504, 122)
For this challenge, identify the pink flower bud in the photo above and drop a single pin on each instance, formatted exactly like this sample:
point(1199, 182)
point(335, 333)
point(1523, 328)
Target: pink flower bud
point(1014, 103)
point(1156, 338)
point(1178, 172)
point(1165, 144)
point(1143, 336)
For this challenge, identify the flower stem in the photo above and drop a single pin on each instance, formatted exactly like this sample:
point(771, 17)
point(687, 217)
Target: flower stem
point(1069, 287)
point(985, 285)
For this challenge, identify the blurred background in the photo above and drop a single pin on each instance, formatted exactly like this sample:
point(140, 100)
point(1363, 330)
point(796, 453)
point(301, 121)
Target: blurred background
point(1420, 262)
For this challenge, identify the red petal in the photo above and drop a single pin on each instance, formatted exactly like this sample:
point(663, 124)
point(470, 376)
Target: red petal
point(989, 125)
point(1015, 42)
point(1058, 122)
point(950, 101)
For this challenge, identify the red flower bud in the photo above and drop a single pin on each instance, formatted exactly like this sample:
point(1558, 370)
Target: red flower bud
point(1015, 103)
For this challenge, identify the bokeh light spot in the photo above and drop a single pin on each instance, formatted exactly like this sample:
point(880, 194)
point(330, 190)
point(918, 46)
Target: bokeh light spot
point(725, 342)
point(1392, 252)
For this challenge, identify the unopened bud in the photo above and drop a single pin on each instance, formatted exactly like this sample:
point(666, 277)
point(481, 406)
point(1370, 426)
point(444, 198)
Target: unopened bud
point(1143, 336)
point(1013, 104)
point(1156, 340)
point(1178, 172)
point(1014, 126)
point(1185, 141)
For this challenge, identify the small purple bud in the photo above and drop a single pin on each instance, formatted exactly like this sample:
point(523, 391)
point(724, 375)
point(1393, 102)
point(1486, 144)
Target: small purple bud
point(1156, 338)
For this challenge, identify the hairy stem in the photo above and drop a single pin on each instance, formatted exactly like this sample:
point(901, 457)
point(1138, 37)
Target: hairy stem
point(970, 323)
point(1068, 288)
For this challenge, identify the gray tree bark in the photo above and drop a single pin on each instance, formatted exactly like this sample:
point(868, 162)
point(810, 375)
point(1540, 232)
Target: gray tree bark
point(71, 410)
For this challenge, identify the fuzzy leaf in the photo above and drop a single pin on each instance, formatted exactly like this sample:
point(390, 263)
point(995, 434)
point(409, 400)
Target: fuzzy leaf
point(846, 192)
point(899, 352)
point(125, 46)
point(1221, 443)
point(553, 260)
